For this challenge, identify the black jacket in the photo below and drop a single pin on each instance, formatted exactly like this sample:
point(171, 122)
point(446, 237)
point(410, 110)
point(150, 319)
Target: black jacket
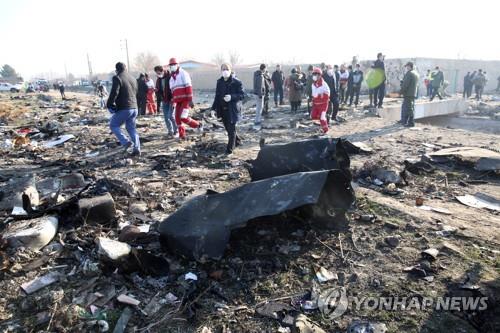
point(123, 93)
point(278, 79)
point(380, 65)
point(258, 83)
point(142, 89)
point(337, 80)
point(228, 111)
point(332, 84)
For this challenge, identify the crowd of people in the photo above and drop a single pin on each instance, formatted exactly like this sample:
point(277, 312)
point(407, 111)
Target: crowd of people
point(325, 88)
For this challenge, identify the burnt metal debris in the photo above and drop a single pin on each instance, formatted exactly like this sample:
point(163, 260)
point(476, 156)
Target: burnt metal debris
point(201, 228)
point(309, 155)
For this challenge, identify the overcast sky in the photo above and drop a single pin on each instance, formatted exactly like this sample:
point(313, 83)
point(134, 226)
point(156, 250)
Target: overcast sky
point(41, 36)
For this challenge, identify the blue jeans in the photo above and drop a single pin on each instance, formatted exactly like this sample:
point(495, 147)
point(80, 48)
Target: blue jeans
point(168, 114)
point(127, 117)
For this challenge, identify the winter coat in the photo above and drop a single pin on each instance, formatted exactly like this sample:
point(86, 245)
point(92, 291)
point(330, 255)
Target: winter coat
point(344, 78)
point(295, 88)
point(278, 79)
point(181, 86)
point(379, 64)
point(479, 80)
point(228, 111)
point(163, 88)
point(123, 95)
point(259, 88)
point(320, 93)
point(357, 78)
point(332, 84)
point(437, 79)
point(410, 84)
point(142, 88)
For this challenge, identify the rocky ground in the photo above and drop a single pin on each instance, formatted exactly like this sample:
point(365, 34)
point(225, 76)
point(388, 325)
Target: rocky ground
point(270, 272)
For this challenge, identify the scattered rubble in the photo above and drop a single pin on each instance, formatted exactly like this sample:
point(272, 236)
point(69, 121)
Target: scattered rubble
point(105, 266)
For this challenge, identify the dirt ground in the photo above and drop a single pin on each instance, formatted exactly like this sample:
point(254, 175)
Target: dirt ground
point(265, 263)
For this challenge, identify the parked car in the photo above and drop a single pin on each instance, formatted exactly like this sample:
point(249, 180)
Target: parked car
point(4, 86)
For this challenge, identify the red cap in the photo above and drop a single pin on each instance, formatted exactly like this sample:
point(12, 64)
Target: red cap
point(317, 70)
point(173, 61)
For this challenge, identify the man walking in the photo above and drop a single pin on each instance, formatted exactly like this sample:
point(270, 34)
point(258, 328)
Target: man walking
point(437, 82)
point(409, 88)
point(101, 93)
point(182, 97)
point(379, 91)
point(278, 79)
point(259, 90)
point(61, 90)
point(122, 103)
point(163, 89)
point(227, 104)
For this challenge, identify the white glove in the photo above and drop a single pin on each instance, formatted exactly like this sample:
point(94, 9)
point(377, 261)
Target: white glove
point(212, 114)
point(185, 114)
point(227, 98)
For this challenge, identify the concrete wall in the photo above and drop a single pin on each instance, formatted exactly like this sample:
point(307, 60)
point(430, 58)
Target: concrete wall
point(454, 71)
point(426, 109)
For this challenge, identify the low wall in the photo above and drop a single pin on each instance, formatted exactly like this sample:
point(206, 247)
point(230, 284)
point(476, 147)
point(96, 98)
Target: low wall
point(426, 109)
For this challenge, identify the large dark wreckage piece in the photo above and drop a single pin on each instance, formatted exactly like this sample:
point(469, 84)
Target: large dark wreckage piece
point(316, 184)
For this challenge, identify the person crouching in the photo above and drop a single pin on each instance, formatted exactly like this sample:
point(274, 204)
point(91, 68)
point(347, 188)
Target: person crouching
point(320, 98)
point(227, 104)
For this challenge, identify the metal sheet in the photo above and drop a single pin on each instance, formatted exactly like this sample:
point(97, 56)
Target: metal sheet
point(301, 156)
point(202, 226)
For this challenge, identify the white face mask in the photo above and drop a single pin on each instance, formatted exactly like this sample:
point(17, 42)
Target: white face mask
point(315, 77)
point(160, 75)
point(173, 68)
point(226, 73)
point(330, 72)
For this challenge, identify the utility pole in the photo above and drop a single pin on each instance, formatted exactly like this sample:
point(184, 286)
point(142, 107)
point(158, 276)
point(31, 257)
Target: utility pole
point(90, 67)
point(126, 50)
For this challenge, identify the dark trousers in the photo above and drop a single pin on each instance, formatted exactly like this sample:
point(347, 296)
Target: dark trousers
point(141, 105)
point(278, 92)
point(354, 92)
point(429, 90)
point(435, 92)
point(469, 90)
point(378, 95)
point(233, 139)
point(342, 94)
point(408, 111)
point(265, 109)
point(479, 92)
point(333, 109)
point(295, 105)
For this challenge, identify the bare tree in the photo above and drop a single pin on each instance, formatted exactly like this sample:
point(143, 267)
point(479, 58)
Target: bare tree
point(144, 62)
point(234, 58)
point(218, 59)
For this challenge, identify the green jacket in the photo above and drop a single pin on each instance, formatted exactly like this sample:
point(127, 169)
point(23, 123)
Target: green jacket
point(437, 79)
point(410, 84)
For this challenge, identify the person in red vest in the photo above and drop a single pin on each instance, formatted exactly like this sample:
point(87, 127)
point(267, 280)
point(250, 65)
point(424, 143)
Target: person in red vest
point(182, 96)
point(320, 98)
